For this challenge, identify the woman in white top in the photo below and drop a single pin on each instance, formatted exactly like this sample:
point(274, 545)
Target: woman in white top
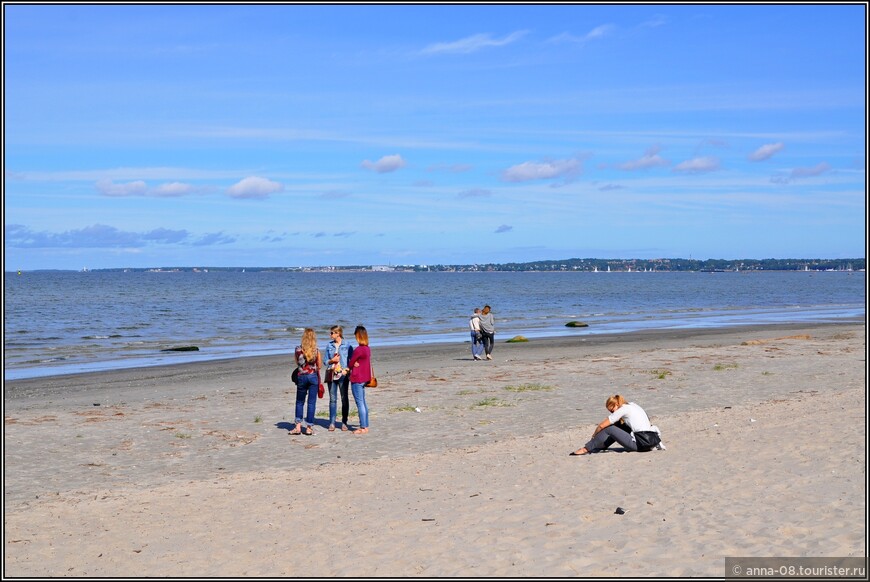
point(608, 432)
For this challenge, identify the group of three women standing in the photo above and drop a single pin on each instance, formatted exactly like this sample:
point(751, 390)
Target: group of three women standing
point(345, 366)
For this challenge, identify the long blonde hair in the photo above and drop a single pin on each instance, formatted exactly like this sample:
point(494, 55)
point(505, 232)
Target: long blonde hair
point(617, 400)
point(309, 344)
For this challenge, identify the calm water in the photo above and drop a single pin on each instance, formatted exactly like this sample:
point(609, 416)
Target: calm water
point(60, 322)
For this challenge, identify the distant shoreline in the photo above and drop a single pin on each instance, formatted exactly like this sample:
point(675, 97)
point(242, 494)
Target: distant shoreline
point(548, 265)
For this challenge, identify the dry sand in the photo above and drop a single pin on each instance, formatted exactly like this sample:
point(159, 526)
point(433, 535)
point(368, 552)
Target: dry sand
point(189, 471)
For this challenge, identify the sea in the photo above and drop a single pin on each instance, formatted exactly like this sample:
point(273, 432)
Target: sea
point(60, 322)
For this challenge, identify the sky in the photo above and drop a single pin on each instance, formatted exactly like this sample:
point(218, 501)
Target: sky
point(283, 135)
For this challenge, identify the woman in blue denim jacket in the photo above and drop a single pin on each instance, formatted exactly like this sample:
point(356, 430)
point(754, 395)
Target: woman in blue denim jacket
point(338, 353)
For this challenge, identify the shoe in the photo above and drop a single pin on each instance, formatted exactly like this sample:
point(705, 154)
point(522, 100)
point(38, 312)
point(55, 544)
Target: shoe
point(488, 357)
point(477, 358)
point(308, 431)
point(344, 426)
point(331, 428)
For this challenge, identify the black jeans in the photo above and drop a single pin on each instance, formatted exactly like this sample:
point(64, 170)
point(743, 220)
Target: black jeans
point(488, 342)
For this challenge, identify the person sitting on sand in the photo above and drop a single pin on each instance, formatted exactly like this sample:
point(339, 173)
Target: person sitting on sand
point(631, 418)
point(308, 381)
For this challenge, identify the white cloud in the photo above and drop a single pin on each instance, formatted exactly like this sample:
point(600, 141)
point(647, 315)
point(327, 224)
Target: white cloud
point(385, 164)
point(594, 34)
point(810, 172)
point(109, 188)
point(254, 187)
point(172, 189)
point(650, 159)
point(766, 151)
point(140, 188)
point(698, 165)
point(472, 43)
point(599, 31)
point(542, 170)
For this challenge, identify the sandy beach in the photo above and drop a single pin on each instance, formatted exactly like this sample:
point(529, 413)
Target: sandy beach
point(189, 470)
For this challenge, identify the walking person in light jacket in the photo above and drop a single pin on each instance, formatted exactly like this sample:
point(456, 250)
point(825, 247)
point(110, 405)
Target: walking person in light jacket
point(476, 336)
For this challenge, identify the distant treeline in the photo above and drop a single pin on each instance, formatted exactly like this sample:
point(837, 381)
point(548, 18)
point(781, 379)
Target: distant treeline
point(592, 265)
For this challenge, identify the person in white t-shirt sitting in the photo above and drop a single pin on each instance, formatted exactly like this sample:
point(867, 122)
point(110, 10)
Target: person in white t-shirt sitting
point(625, 418)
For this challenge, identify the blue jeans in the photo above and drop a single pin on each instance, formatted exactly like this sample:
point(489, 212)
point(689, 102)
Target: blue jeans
point(334, 388)
point(359, 396)
point(476, 344)
point(306, 385)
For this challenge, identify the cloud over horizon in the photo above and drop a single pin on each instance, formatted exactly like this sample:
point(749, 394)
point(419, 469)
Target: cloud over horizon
point(386, 164)
point(650, 159)
point(698, 165)
point(766, 151)
point(95, 236)
point(542, 170)
point(254, 187)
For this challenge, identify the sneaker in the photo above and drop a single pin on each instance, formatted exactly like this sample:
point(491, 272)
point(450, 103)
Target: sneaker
point(477, 358)
point(488, 357)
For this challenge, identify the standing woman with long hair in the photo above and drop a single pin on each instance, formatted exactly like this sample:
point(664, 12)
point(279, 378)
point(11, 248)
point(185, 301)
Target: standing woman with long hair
point(360, 364)
point(337, 354)
point(487, 330)
point(308, 380)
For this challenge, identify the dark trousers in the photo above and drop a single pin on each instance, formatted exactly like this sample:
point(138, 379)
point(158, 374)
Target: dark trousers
point(610, 435)
point(488, 342)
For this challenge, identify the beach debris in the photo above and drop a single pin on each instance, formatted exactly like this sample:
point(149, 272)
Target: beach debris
point(96, 403)
point(619, 511)
point(428, 519)
point(576, 324)
point(181, 349)
point(417, 409)
point(751, 420)
point(517, 339)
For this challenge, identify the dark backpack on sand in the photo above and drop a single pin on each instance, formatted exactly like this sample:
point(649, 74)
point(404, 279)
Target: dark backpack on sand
point(646, 440)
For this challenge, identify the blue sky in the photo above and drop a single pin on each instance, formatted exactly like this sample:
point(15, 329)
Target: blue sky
point(292, 135)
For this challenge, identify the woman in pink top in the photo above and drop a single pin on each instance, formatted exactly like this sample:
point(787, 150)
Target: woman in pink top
point(360, 365)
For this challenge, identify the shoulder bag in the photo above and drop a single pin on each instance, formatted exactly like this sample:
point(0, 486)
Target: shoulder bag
point(373, 382)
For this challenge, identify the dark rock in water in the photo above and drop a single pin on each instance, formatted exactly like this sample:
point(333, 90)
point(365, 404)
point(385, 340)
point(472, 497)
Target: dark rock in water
point(517, 339)
point(576, 324)
point(182, 349)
